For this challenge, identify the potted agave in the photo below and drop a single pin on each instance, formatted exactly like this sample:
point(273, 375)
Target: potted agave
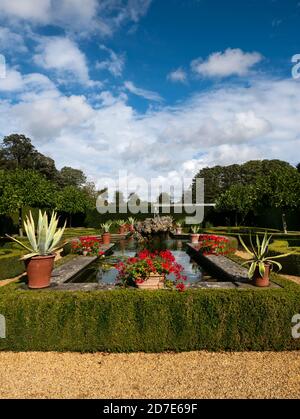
point(260, 264)
point(39, 261)
point(106, 234)
point(178, 227)
point(195, 234)
point(131, 223)
point(122, 226)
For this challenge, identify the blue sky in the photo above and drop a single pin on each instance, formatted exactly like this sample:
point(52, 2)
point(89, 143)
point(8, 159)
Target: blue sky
point(158, 88)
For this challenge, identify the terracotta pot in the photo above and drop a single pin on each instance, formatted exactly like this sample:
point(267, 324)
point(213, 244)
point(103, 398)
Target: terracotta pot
point(179, 230)
point(131, 228)
point(153, 282)
point(195, 238)
point(106, 238)
point(39, 269)
point(260, 281)
point(122, 229)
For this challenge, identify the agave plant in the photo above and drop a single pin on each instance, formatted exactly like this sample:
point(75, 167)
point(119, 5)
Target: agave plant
point(120, 223)
point(131, 221)
point(106, 226)
point(195, 229)
point(43, 242)
point(259, 256)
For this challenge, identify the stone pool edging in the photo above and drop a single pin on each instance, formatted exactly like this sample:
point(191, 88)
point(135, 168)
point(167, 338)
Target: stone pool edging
point(233, 273)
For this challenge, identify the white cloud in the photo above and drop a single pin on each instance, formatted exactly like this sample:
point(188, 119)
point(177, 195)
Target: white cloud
point(178, 76)
point(15, 81)
point(11, 42)
point(63, 56)
point(146, 94)
point(226, 125)
point(227, 63)
point(115, 63)
point(104, 17)
point(33, 10)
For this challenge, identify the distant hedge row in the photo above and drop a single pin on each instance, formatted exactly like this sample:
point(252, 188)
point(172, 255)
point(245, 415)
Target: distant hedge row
point(134, 320)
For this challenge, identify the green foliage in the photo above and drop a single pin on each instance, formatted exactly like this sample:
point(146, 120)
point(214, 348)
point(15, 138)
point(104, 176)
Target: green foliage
point(21, 188)
point(239, 198)
point(72, 200)
point(132, 320)
point(71, 177)
point(291, 263)
point(17, 152)
point(10, 263)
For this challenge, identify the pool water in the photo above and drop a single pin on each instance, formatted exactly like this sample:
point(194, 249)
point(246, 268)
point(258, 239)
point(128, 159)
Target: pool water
point(103, 271)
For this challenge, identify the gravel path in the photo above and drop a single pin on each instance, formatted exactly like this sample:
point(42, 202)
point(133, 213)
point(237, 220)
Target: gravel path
point(139, 375)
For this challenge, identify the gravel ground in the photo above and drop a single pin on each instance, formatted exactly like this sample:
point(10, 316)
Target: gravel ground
point(140, 375)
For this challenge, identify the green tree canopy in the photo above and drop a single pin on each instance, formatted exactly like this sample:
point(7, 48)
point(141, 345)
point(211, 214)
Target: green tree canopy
point(73, 201)
point(71, 177)
point(17, 152)
point(24, 187)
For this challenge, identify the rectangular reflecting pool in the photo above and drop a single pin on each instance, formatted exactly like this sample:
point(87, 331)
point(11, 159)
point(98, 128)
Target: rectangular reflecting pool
point(103, 271)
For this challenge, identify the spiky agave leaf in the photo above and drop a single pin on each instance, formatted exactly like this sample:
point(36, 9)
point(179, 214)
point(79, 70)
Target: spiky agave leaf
point(252, 269)
point(51, 232)
point(20, 243)
point(29, 226)
point(262, 268)
point(245, 246)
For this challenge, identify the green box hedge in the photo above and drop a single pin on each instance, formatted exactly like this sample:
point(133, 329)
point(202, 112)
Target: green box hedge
point(290, 264)
point(10, 263)
point(133, 320)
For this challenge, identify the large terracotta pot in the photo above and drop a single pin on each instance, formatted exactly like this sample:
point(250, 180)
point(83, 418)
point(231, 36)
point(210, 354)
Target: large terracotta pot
point(260, 281)
point(39, 269)
point(131, 228)
point(106, 238)
point(195, 238)
point(122, 229)
point(153, 282)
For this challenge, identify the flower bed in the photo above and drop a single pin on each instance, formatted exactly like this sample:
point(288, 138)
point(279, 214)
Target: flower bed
point(214, 245)
point(88, 246)
point(137, 269)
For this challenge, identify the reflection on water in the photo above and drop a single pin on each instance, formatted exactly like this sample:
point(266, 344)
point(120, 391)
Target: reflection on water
point(103, 271)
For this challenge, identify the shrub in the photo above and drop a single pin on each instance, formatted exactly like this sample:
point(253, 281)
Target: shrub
point(10, 263)
point(131, 320)
point(291, 263)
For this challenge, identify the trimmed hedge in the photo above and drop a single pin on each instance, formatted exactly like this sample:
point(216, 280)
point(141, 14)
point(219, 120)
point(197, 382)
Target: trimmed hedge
point(133, 320)
point(10, 263)
point(290, 264)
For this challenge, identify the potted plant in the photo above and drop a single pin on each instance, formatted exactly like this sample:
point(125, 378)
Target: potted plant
point(195, 234)
point(106, 234)
point(87, 246)
point(178, 227)
point(149, 270)
point(40, 261)
point(260, 264)
point(131, 223)
point(122, 226)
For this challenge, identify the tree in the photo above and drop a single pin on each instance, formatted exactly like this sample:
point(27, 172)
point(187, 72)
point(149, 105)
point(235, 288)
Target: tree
point(281, 189)
point(20, 188)
point(298, 167)
point(239, 199)
point(71, 177)
point(17, 152)
point(72, 201)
